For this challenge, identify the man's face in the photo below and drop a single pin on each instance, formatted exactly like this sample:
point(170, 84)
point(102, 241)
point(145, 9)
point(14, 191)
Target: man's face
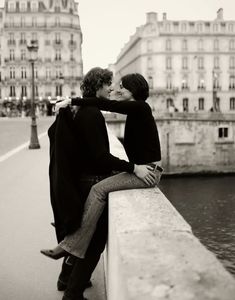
point(104, 91)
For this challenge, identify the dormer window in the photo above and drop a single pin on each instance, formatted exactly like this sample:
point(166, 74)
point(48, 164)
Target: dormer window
point(11, 6)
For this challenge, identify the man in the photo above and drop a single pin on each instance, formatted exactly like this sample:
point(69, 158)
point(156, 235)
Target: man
point(94, 162)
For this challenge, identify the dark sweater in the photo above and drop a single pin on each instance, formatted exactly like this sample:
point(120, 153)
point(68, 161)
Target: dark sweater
point(141, 140)
point(95, 156)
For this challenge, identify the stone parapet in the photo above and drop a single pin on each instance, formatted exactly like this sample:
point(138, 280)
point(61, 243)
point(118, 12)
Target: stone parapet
point(153, 254)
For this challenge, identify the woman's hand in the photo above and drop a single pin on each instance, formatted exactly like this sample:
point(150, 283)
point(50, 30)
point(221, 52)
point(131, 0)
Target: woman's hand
point(145, 173)
point(62, 104)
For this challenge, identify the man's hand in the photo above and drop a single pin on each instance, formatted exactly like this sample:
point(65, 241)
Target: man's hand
point(145, 173)
point(62, 104)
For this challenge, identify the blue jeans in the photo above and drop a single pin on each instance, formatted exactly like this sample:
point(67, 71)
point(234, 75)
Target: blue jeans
point(78, 242)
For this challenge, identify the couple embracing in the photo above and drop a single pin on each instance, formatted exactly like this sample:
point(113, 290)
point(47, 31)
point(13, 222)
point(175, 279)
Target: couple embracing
point(90, 172)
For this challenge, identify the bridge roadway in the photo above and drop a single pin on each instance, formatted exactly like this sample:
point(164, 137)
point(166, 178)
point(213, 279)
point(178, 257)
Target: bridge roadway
point(25, 216)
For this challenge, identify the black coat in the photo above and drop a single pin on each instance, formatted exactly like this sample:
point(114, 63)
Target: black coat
point(64, 173)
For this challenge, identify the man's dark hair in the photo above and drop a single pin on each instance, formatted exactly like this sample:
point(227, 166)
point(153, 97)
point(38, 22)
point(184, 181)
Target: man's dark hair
point(137, 85)
point(95, 79)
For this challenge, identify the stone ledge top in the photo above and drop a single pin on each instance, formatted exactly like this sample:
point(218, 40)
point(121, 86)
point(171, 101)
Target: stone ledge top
point(160, 257)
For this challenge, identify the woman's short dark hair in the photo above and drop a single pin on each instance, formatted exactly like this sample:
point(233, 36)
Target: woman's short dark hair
point(137, 85)
point(94, 80)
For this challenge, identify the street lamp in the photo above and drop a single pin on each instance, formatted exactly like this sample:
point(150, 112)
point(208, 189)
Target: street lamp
point(34, 143)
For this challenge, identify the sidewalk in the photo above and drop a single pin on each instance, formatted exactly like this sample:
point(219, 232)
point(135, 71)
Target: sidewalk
point(25, 216)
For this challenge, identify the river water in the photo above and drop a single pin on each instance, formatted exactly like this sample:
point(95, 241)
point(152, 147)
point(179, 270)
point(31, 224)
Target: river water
point(208, 205)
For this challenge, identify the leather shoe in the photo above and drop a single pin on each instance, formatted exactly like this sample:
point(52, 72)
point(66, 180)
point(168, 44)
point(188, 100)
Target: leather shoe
point(55, 253)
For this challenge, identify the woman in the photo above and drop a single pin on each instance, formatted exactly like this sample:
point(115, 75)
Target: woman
point(142, 146)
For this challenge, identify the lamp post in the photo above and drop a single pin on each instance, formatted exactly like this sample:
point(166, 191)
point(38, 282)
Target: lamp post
point(34, 143)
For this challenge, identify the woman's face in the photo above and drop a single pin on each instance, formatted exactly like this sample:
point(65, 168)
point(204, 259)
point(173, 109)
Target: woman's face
point(123, 93)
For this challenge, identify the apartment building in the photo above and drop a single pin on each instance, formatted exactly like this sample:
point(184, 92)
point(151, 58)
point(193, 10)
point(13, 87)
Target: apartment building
point(189, 64)
point(55, 27)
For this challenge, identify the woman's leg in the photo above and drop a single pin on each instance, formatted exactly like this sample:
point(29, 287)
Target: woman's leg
point(78, 242)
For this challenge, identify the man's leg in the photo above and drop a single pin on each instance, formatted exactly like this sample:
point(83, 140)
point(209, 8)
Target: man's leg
point(84, 268)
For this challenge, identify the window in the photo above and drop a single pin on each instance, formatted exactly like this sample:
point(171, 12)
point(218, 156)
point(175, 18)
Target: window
point(34, 21)
point(58, 55)
point(12, 91)
point(35, 72)
point(168, 44)
point(11, 6)
point(169, 82)
point(22, 38)
point(57, 37)
point(23, 6)
point(36, 90)
point(22, 21)
point(150, 82)
point(232, 82)
point(184, 27)
point(34, 6)
point(34, 36)
point(232, 62)
point(200, 45)
point(185, 45)
point(184, 85)
point(231, 45)
point(72, 59)
point(149, 63)
point(57, 21)
point(12, 54)
point(199, 27)
point(232, 103)
point(201, 103)
point(169, 102)
point(23, 54)
point(149, 44)
point(185, 63)
point(48, 73)
point(23, 72)
point(223, 132)
point(216, 44)
point(216, 27)
point(216, 62)
point(168, 27)
point(12, 72)
point(200, 63)
point(23, 91)
point(230, 27)
point(185, 104)
point(216, 83)
point(201, 84)
point(168, 63)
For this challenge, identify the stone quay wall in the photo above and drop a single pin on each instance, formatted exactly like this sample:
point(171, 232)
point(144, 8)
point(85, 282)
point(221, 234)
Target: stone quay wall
point(152, 253)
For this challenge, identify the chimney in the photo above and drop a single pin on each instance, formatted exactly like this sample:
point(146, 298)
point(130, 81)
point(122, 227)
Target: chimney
point(151, 17)
point(164, 17)
point(220, 14)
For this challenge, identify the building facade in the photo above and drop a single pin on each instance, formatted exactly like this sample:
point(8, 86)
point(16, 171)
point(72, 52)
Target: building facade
point(55, 27)
point(190, 65)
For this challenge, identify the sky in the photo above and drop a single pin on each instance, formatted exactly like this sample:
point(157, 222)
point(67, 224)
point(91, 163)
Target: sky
point(107, 24)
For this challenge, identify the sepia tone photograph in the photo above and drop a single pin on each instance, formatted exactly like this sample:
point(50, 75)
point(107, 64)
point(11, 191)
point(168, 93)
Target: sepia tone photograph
point(117, 150)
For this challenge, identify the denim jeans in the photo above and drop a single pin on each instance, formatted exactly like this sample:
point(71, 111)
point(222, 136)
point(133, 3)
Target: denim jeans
point(78, 242)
